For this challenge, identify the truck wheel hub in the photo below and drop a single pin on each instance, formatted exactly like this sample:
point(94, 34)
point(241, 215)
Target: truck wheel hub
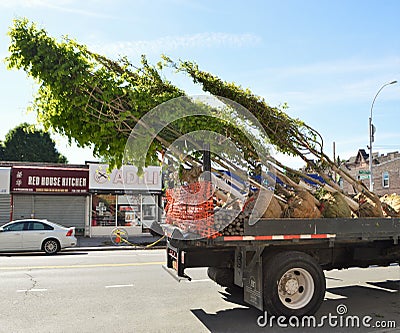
point(292, 286)
point(296, 288)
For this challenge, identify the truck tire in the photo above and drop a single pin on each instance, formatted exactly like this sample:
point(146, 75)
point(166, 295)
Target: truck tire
point(222, 276)
point(294, 284)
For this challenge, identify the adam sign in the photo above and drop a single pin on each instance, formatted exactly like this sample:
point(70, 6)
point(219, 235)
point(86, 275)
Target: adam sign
point(125, 178)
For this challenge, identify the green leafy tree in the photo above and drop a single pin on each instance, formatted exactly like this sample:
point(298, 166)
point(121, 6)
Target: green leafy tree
point(25, 143)
point(1, 151)
point(97, 102)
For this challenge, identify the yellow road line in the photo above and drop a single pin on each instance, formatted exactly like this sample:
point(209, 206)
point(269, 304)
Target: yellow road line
point(10, 268)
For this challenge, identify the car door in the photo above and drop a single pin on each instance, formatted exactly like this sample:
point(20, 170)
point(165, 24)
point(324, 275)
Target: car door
point(34, 236)
point(11, 236)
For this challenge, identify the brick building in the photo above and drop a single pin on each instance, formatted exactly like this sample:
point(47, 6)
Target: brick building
point(386, 171)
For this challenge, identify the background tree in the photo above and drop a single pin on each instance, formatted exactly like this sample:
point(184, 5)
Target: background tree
point(26, 143)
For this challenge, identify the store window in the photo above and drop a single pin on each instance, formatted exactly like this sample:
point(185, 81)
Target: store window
point(385, 179)
point(124, 210)
point(103, 210)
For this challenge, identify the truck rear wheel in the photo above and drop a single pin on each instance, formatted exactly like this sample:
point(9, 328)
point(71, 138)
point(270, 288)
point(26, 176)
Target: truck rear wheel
point(294, 284)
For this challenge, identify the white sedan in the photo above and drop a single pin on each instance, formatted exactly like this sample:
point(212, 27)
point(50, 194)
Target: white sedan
point(35, 235)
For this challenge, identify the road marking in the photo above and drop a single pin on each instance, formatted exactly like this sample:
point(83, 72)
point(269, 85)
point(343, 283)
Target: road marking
point(127, 254)
point(10, 268)
point(120, 286)
point(30, 290)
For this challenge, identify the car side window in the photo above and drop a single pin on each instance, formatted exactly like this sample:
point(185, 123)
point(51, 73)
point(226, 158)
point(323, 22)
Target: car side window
point(15, 227)
point(40, 226)
point(48, 227)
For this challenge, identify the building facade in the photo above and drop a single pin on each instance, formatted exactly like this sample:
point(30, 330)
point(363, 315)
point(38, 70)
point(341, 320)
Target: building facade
point(385, 171)
point(86, 197)
point(58, 194)
point(5, 195)
point(123, 198)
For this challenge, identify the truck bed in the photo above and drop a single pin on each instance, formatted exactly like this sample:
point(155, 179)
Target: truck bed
point(301, 230)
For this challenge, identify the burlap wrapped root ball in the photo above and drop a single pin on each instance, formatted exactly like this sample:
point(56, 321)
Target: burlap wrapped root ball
point(391, 204)
point(367, 207)
point(267, 205)
point(274, 209)
point(302, 205)
point(334, 205)
point(190, 176)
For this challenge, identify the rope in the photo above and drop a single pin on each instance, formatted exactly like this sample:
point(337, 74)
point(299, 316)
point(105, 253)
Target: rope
point(119, 233)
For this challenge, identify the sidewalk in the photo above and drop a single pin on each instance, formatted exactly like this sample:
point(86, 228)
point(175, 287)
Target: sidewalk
point(99, 243)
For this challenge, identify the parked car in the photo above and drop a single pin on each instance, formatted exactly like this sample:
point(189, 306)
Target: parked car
point(36, 235)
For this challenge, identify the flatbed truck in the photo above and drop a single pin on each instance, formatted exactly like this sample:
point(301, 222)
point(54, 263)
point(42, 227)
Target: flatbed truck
point(280, 263)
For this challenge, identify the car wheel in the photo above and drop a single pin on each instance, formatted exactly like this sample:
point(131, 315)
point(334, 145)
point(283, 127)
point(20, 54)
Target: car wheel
point(51, 246)
point(294, 284)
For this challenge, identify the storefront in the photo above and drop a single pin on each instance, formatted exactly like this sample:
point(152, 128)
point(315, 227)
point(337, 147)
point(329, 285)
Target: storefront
point(57, 194)
point(5, 196)
point(122, 198)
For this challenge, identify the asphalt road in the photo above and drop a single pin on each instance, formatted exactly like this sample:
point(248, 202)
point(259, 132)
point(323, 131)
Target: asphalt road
point(128, 291)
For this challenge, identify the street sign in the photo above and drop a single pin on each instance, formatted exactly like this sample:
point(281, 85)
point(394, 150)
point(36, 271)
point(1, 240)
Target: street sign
point(364, 172)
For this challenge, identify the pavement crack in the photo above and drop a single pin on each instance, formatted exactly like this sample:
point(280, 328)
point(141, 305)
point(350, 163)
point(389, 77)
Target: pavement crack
point(34, 283)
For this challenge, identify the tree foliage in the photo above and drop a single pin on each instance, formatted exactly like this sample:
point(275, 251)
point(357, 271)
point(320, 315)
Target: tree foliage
point(25, 143)
point(98, 101)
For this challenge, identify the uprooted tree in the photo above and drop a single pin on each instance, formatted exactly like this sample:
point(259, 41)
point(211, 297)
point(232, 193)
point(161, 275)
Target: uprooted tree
point(97, 102)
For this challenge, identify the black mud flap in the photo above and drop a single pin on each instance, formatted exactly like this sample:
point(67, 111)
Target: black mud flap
point(252, 277)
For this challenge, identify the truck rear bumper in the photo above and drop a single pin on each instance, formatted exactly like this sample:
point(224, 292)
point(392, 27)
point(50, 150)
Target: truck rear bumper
point(180, 257)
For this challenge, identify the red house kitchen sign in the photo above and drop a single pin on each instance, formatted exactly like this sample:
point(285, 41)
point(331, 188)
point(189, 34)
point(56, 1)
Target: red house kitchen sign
point(49, 180)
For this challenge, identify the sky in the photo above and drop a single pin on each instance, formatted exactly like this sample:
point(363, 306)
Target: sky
point(326, 59)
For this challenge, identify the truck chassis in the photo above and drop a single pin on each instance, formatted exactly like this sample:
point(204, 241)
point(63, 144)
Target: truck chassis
point(279, 263)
